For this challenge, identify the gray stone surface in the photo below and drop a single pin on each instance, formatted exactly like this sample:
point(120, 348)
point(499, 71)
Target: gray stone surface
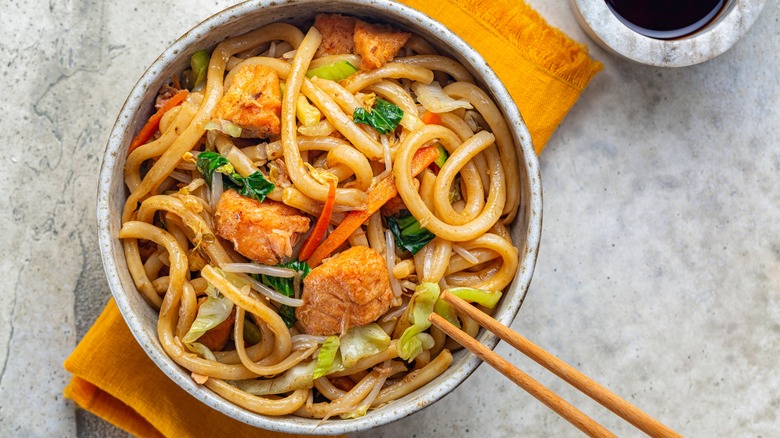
point(659, 267)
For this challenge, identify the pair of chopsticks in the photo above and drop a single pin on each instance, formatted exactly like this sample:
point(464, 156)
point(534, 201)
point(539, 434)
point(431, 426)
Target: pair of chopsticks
point(586, 385)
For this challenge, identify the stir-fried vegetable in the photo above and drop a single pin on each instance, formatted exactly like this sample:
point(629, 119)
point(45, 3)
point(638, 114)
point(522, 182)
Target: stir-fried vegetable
point(318, 233)
point(286, 287)
point(487, 298)
point(433, 98)
point(408, 233)
point(153, 123)
point(199, 62)
point(413, 341)
point(215, 310)
point(383, 192)
point(384, 117)
point(337, 71)
point(326, 357)
point(254, 186)
point(363, 341)
point(443, 155)
point(297, 377)
point(357, 343)
point(224, 126)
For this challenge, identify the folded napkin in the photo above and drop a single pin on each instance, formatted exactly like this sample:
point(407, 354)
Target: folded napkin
point(544, 71)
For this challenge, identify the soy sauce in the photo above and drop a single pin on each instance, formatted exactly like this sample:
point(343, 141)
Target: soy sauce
point(665, 19)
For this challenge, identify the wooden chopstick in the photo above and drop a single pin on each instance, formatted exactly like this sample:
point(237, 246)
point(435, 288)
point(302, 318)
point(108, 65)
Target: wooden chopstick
point(574, 377)
point(523, 380)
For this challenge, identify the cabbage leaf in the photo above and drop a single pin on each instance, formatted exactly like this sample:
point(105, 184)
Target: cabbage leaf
point(213, 312)
point(363, 341)
point(326, 358)
point(413, 341)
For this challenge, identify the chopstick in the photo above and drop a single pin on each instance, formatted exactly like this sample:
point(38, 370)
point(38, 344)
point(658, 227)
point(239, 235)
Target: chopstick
point(574, 377)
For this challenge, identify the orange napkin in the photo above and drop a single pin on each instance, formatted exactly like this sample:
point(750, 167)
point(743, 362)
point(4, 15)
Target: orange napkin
point(544, 71)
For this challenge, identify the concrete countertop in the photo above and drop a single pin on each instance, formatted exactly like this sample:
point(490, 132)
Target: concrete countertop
point(658, 273)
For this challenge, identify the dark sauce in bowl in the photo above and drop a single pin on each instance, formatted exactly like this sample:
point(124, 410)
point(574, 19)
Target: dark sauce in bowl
point(666, 19)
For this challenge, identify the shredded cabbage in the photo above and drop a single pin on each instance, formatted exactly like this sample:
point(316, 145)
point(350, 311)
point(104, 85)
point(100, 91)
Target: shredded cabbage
point(433, 99)
point(202, 351)
point(213, 312)
point(307, 113)
point(297, 377)
point(224, 126)
point(413, 341)
point(485, 298)
point(326, 358)
point(363, 341)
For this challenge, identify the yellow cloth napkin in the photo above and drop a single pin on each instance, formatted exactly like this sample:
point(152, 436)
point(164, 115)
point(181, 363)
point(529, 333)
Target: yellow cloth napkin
point(544, 71)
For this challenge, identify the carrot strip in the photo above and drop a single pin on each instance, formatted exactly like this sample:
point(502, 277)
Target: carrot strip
point(176, 83)
point(154, 122)
point(383, 192)
point(430, 118)
point(318, 233)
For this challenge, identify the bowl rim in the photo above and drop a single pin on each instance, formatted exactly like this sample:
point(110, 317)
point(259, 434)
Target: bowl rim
point(108, 242)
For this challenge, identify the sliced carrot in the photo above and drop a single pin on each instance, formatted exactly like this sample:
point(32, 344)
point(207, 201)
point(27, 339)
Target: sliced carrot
point(430, 118)
point(318, 233)
point(383, 192)
point(154, 122)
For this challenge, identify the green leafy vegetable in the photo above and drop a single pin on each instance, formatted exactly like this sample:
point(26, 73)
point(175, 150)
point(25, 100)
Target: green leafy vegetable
point(213, 312)
point(326, 356)
point(254, 186)
point(285, 287)
point(485, 298)
point(210, 162)
point(335, 72)
point(443, 155)
point(413, 341)
point(199, 62)
point(384, 117)
point(408, 233)
point(363, 341)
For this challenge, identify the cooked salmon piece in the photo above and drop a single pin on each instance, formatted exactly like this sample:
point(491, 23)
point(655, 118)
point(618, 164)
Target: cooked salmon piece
point(253, 101)
point(377, 44)
point(347, 290)
point(337, 34)
point(262, 231)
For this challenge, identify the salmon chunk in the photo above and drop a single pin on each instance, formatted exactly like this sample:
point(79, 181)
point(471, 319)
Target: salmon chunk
point(253, 101)
point(337, 34)
point(377, 44)
point(347, 290)
point(262, 231)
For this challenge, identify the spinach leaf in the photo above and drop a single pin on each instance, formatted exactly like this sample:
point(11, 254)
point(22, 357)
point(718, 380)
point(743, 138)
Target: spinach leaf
point(254, 186)
point(384, 117)
point(408, 233)
point(285, 287)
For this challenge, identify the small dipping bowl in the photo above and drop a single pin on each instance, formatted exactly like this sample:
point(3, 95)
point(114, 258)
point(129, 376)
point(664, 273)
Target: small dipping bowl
point(709, 41)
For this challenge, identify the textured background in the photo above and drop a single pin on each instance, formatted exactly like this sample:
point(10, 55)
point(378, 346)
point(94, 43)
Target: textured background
point(658, 272)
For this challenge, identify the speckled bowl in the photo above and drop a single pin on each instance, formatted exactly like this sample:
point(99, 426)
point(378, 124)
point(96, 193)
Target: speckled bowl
point(733, 21)
point(142, 319)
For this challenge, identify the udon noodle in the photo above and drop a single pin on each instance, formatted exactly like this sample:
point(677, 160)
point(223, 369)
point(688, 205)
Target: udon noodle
point(299, 201)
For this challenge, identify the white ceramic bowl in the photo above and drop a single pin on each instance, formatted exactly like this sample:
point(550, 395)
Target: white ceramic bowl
point(247, 16)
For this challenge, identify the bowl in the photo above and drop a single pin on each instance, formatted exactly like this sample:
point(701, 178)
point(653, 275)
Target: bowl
point(142, 319)
point(713, 39)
